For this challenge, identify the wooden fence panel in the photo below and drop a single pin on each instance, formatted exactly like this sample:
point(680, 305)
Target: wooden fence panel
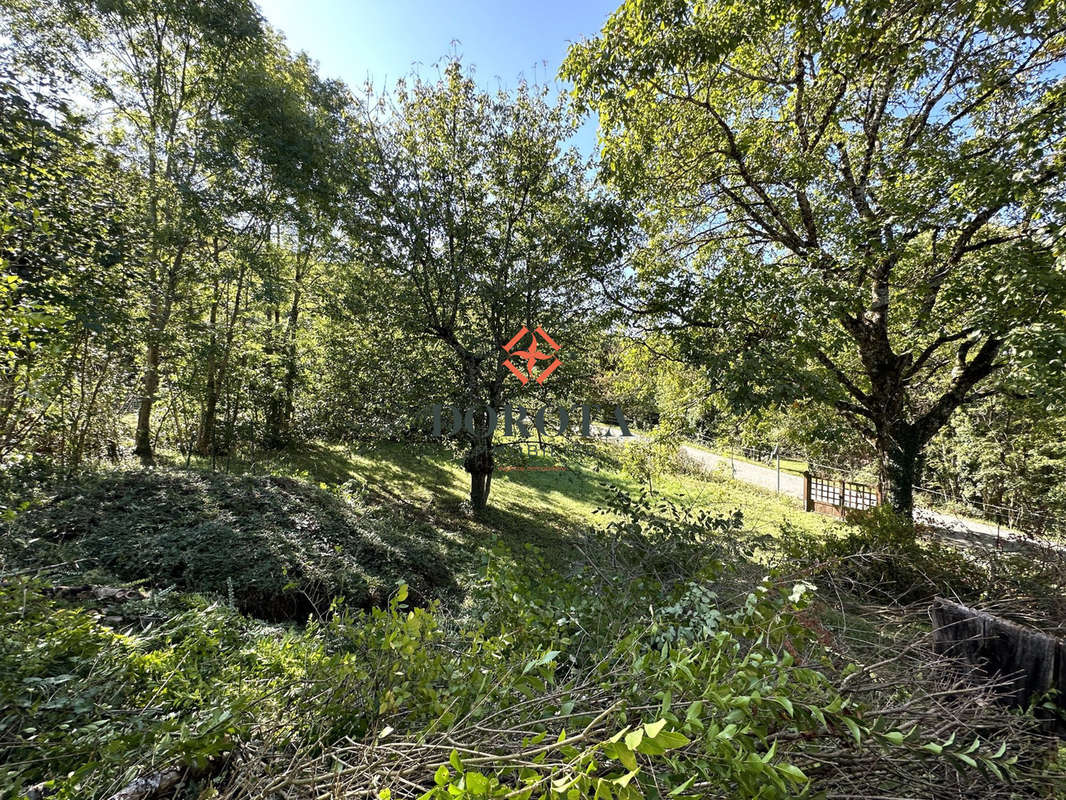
point(836, 496)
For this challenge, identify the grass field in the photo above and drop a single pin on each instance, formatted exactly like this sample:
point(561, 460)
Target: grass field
point(431, 478)
point(537, 506)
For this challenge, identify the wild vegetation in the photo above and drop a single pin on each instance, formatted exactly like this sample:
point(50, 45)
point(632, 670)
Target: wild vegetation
point(729, 671)
point(236, 560)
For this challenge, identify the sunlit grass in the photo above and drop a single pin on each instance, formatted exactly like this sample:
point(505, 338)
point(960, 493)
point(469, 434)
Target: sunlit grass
point(540, 498)
point(431, 476)
point(792, 465)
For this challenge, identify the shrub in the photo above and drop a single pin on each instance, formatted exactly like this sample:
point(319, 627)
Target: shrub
point(82, 704)
point(880, 555)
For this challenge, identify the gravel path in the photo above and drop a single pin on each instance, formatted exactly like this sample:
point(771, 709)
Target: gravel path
point(766, 477)
point(957, 530)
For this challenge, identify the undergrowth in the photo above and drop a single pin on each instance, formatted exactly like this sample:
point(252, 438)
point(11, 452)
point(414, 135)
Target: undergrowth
point(884, 558)
point(663, 662)
point(282, 548)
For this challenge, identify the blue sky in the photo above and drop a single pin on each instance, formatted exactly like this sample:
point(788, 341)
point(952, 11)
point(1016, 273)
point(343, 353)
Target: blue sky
point(385, 39)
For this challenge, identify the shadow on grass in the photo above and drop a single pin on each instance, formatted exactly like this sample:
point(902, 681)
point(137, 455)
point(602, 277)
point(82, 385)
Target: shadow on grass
point(306, 525)
point(280, 547)
point(426, 482)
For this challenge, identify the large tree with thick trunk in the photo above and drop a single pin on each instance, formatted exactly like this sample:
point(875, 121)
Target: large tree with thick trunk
point(856, 202)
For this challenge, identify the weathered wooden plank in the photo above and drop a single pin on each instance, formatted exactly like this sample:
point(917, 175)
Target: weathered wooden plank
point(1028, 663)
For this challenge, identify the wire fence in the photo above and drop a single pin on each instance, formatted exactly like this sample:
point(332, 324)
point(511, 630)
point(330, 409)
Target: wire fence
point(1023, 520)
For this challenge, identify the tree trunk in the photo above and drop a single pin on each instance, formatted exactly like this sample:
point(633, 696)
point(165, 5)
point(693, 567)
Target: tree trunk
point(142, 443)
point(479, 490)
point(205, 442)
point(899, 452)
point(158, 317)
point(280, 412)
point(205, 439)
point(901, 445)
point(290, 361)
point(218, 373)
point(272, 437)
point(479, 463)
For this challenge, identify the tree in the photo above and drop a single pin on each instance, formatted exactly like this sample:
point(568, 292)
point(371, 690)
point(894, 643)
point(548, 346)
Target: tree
point(311, 142)
point(648, 377)
point(855, 202)
point(173, 236)
point(1006, 455)
point(163, 68)
point(481, 224)
point(63, 296)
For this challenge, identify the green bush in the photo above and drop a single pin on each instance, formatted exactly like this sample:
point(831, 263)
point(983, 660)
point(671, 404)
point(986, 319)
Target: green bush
point(883, 558)
point(80, 701)
point(881, 555)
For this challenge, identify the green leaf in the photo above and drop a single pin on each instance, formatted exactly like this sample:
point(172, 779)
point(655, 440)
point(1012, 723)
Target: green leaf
point(792, 772)
point(542, 660)
point(694, 711)
point(671, 740)
point(476, 783)
point(634, 739)
point(681, 789)
point(965, 759)
point(727, 732)
point(853, 726)
point(653, 728)
point(621, 753)
point(785, 703)
point(896, 737)
point(768, 757)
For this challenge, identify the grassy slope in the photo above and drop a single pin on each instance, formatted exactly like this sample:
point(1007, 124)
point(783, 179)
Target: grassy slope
point(206, 657)
point(540, 507)
point(290, 531)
